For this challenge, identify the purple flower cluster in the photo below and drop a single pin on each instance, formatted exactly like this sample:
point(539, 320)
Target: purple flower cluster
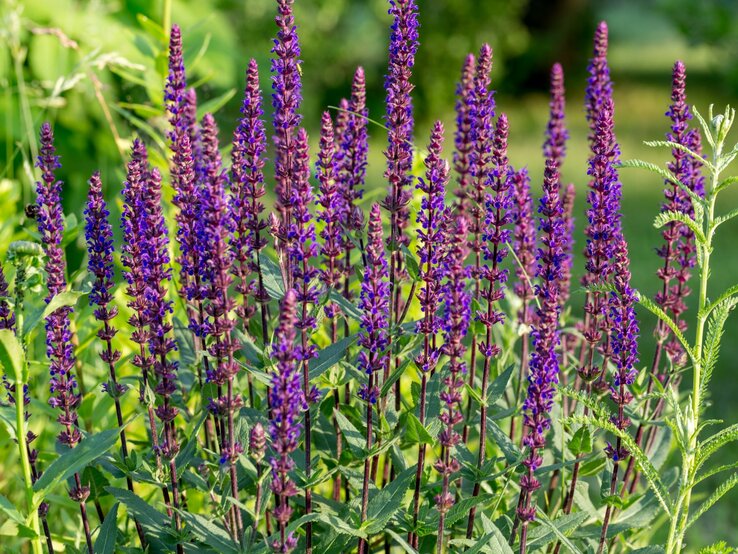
point(399, 117)
point(457, 314)
point(481, 113)
point(303, 246)
point(623, 338)
point(678, 250)
point(287, 401)
point(7, 317)
point(99, 237)
point(430, 243)
point(498, 215)
point(59, 348)
point(330, 212)
point(352, 147)
point(544, 363)
point(463, 138)
point(246, 193)
point(524, 244)
point(599, 85)
point(554, 147)
point(286, 100)
point(374, 305)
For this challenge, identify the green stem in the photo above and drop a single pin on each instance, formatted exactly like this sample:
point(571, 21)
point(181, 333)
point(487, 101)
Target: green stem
point(677, 528)
point(166, 20)
point(20, 431)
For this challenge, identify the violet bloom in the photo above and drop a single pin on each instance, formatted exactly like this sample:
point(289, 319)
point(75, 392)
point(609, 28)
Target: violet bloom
point(482, 112)
point(132, 255)
point(331, 209)
point(430, 241)
point(603, 227)
point(544, 362)
point(303, 246)
point(524, 244)
point(246, 193)
point(352, 143)
point(157, 273)
point(463, 137)
point(457, 313)
point(399, 116)
point(59, 348)
point(286, 100)
point(678, 250)
point(499, 215)
point(7, 317)
point(568, 204)
point(99, 237)
point(599, 85)
point(287, 401)
point(554, 147)
point(374, 305)
point(624, 340)
point(217, 274)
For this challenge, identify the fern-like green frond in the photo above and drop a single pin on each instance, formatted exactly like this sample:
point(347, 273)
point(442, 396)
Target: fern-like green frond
point(717, 494)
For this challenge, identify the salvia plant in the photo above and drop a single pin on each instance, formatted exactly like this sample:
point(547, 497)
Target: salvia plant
point(291, 367)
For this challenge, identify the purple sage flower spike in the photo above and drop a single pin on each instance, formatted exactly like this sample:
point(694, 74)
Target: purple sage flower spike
point(245, 202)
point(286, 100)
point(624, 344)
point(599, 85)
point(7, 317)
point(524, 236)
point(430, 245)
point(481, 113)
point(463, 138)
point(331, 209)
point(554, 147)
point(59, 347)
point(544, 361)
point(498, 217)
point(457, 313)
point(287, 401)
point(373, 358)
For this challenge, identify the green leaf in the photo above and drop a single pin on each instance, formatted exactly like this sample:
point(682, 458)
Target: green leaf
point(401, 541)
point(395, 375)
point(677, 146)
point(670, 216)
point(559, 529)
point(499, 385)
point(356, 442)
point(713, 443)
point(581, 442)
point(509, 449)
point(411, 263)
point(717, 494)
point(156, 524)
point(105, 542)
point(458, 511)
point(12, 357)
point(65, 299)
point(388, 501)
point(641, 460)
point(415, 432)
point(711, 349)
point(658, 312)
point(210, 533)
point(72, 461)
point(667, 175)
point(346, 306)
point(8, 508)
point(330, 356)
point(214, 104)
point(273, 282)
point(725, 183)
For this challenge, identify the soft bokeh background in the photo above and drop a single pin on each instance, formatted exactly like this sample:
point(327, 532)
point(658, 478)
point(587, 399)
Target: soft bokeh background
point(95, 69)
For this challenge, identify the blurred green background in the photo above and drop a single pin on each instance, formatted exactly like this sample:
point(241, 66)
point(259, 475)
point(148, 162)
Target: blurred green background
point(95, 69)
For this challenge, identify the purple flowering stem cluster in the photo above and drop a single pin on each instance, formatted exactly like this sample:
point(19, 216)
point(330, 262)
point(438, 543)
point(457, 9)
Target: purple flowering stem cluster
point(678, 253)
point(603, 228)
point(374, 303)
point(430, 237)
point(498, 216)
point(59, 347)
point(481, 112)
point(99, 238)
point(457, 311)
point(544, 361)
